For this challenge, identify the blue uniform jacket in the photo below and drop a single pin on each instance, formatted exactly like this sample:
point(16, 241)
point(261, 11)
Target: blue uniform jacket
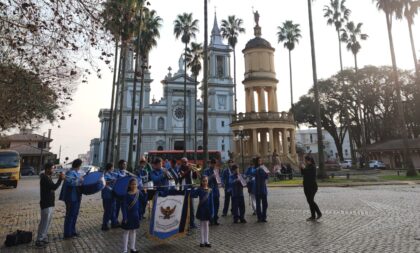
point(143, 175)
point(120, 173)
point(212, 181)
point(159, 180)
point(236, 186)
point(70, 190)
point(250, 174)
point(110, 178)
point(225, 179)
point(260, 186)
point(205, 204)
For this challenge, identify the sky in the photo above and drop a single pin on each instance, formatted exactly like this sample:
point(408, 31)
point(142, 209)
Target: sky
point(75, 133)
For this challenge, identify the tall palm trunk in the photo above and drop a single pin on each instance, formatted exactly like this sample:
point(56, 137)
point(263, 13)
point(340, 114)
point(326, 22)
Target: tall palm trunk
point(408, 164)
point(108, 134)
point(234, 80)
point(340, 51)
point(195, 121)
point(413, 50)
point(321, 173)
point(185, 101)
point(141, 103)
point(205, 91)
point(117, 100)
point(121, 112)
point(133, 105)
point(291, 81)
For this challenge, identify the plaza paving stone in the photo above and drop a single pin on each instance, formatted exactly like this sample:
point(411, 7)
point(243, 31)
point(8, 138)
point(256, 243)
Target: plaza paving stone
point(359, 219)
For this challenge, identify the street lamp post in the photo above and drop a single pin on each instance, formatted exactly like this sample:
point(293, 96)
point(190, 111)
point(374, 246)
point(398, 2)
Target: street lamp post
point(241, 137)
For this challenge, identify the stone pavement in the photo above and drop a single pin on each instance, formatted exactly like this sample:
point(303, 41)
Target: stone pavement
point(361, 219)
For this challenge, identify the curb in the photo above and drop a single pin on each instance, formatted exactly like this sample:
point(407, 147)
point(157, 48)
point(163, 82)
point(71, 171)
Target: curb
point(356, 184)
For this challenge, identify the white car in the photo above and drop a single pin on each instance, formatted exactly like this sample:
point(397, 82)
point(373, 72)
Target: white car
point(346, 164)
point(88, 169)
point(375, 164)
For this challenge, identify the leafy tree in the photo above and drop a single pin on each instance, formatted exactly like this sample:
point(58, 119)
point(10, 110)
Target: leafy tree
point(185, 27)
point(231, 28)
point(289, 33)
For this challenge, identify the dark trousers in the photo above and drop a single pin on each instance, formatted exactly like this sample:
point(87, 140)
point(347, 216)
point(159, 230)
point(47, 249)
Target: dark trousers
point(72, 211)
point(238, 206)
point(310, 196)
point(118, 206)
point(143, 205)
point(109, 212)
point(261, 201)
point(216, 204)
point(228, 196)
point(192, 218)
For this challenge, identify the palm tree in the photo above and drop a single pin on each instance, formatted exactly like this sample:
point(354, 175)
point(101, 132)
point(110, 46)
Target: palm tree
point(149, 35)
point(194, 64)
point(321, 173)
point(138, 28)
point(231, 28)
point(351, 35)
point(205, 90)
point(289, 33)
point(337, 14)
point(185, 27)
point(390, 7)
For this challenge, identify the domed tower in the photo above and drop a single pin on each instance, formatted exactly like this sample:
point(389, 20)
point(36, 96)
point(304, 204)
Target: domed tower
point(262, 130)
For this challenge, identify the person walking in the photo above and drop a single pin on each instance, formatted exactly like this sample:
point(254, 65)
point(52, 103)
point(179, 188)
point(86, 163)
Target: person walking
point(228, 190)
point(238, 200)
point(71, 195)
point(260, 189)
point(310, 187)
point(108, 200)
point(47, 203)
point(204, 210)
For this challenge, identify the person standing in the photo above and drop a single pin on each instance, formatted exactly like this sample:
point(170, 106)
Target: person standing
point(131, 218)
point(238, 201)
point(108, 200)
point(173, 170)
point(143, 177)
point(228, 190)
point(204, 210)
point(310, 187)
point(186, 178)
point(212, 174)
point(260, 190)
point(72, 196)
point(160, 176)
point(47, 203)
point(250, 175)
point(121, 171)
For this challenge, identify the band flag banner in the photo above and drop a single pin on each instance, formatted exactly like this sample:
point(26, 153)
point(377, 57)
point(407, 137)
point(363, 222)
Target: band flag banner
point(170, 215)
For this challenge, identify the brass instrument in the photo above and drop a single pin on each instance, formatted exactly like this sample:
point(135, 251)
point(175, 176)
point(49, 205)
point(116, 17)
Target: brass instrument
point(195, 167)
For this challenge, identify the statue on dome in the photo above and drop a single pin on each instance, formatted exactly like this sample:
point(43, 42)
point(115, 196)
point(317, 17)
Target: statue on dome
point(256, 18)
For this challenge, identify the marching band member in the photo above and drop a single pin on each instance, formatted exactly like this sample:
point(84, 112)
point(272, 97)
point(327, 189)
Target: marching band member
point(72, 198)
point(173, 169)
point(108, 200)
point(204, 210)
point(131, 219)
point(144, 178)
point(250, 174)
point(160, 176)
point(238, 201)
point(260, 190)
point(186, 175)
point(228, 190)
point(121, 171)
point(213, 183)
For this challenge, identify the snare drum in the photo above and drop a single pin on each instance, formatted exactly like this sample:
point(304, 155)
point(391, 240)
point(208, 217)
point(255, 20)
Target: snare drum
point(172, 183)
point(93, 182)
point(148, 185)
point(121, 186)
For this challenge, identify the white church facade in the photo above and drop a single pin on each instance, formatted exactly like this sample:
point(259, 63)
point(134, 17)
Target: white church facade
point(163, 120)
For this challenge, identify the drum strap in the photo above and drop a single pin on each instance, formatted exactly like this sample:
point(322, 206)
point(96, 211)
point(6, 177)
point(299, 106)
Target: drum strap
point(136, 198)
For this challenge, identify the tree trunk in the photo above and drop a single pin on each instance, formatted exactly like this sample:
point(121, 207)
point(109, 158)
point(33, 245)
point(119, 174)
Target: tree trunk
point(234, 80)
point(185, 100)
point(117, 99)
point(195, 121)
point(111, 111)
point(205, 92)
point(144, 66)
point(291, 80)
point(408, 164)
point(120, 118)
point(339, 51)
point(321, 173)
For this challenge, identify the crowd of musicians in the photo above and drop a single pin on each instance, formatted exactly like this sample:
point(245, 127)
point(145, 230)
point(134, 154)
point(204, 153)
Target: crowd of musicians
point(161, 177)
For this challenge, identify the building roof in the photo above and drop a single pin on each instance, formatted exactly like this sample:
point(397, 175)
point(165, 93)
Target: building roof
point(393, 145)
point(258, 42)
point(27, 137)
point(30, 150)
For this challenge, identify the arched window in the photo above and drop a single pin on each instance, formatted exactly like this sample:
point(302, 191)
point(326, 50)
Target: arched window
point(161, 124)
point(199, 124)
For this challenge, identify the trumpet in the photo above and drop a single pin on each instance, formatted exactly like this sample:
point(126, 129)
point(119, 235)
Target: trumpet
point(195, 167)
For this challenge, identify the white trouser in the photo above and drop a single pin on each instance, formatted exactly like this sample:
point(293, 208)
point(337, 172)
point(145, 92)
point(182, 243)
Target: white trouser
point(44, 224)
point(253, 202)
point(204, 229)
point(132, 234)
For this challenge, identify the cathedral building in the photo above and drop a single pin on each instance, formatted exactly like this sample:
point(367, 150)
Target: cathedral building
point(163, 120)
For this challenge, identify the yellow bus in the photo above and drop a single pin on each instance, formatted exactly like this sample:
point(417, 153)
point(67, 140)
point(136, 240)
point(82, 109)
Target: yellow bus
point(9, 168)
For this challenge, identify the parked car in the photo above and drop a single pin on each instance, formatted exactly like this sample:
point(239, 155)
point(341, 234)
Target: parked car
point(27, 171)
point(376, 164)
point(88, 169)
point(59, 169)
point(346, 164)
